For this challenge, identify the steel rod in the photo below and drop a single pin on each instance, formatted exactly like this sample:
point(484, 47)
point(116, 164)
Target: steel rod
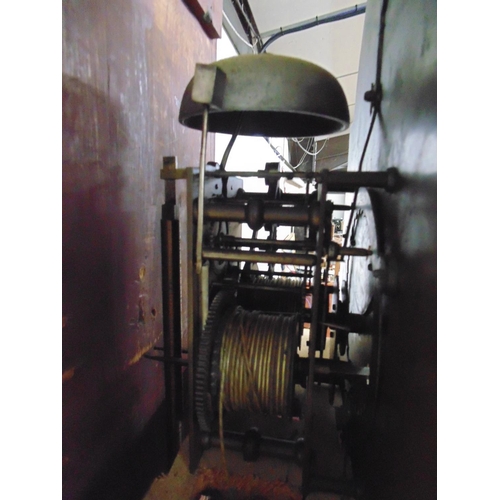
point(292, 198)
point(334, 180)
point(256, 243)
point(355, 252)
point(292, 259)
point(258, 213)
point(167, 360)
point(279, 273)
point(263, 174)
point(201, 192)
point(177, 361)
point(252, 286)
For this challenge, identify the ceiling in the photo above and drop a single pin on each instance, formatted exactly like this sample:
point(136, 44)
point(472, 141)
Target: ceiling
point(334, 46)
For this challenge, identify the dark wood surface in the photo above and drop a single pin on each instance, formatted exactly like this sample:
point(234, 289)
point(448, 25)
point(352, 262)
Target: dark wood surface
point(125, 66)
point(400, 458)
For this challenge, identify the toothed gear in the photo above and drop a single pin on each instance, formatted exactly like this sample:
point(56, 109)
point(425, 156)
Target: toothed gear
point(207, 369)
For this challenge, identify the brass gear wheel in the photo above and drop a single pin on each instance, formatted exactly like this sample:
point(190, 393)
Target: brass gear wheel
point(207, 373)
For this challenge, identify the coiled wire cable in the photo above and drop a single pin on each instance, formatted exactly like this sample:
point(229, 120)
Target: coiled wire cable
point(256, 361)
point(256, 364)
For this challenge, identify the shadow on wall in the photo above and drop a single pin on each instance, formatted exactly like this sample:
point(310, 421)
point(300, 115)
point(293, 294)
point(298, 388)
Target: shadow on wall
point(93, 233)
point(94, 251)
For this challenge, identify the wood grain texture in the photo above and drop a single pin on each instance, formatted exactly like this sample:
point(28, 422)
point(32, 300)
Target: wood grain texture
point(125, 67)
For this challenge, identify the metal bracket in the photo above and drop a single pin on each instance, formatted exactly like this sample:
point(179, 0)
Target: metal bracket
point(209, 83)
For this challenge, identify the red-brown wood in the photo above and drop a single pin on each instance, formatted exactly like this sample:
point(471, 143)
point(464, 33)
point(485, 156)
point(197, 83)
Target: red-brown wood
point(125, 66)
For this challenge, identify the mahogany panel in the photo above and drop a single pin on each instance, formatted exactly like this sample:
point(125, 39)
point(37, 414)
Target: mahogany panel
point(125, 66)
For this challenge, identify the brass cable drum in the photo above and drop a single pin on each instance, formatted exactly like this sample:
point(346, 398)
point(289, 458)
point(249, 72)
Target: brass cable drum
point(245, 361)
point(282, 281)
point(276, 294)
point(271, 95)
point(256, 362)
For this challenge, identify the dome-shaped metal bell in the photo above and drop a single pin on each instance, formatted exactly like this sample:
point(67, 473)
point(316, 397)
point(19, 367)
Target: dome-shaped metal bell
point(270, 95)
